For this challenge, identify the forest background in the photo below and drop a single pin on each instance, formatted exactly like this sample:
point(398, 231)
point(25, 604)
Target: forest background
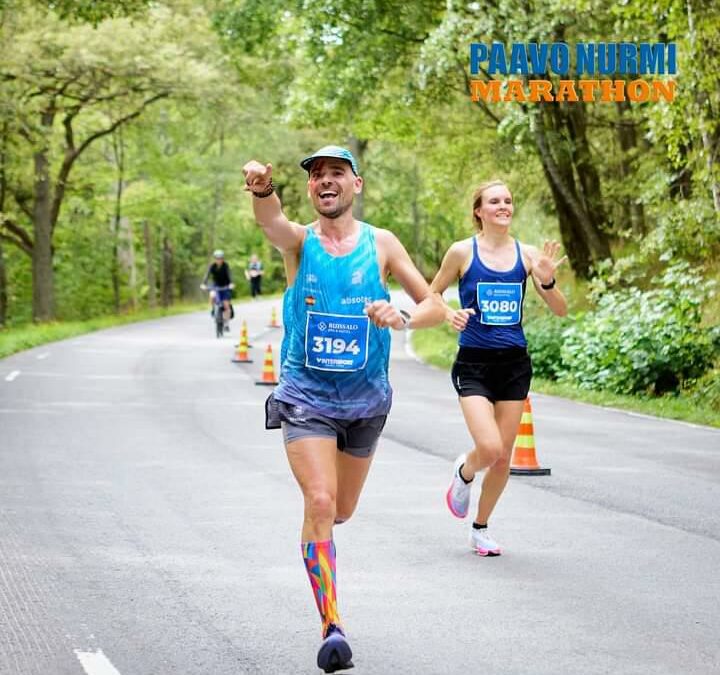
point(124, 127)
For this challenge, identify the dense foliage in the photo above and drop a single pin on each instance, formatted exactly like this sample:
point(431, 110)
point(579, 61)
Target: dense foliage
point(124, 127)
point(638, 341)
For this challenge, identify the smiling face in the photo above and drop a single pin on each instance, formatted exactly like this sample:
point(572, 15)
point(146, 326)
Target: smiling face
point(332, 186)
point(493, 206)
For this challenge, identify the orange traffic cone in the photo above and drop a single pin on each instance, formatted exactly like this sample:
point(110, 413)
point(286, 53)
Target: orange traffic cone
point(241, 355)
point(268, 371)
point(273, 320)
point(524, 462)
point(244, 333)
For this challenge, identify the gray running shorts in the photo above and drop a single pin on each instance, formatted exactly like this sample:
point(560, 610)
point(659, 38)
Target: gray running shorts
point(358, 437)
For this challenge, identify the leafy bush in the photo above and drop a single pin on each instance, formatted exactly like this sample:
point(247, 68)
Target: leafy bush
point(544, 335)
point(642, 341)
point(706, 390)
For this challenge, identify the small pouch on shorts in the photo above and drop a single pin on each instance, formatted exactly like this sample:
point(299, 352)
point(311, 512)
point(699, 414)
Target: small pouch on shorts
point(272, 413)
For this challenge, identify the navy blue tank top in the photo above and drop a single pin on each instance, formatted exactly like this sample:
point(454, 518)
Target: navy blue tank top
point(497, 298)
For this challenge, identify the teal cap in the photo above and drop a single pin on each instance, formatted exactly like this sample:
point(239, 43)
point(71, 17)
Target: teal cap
point(334, 151)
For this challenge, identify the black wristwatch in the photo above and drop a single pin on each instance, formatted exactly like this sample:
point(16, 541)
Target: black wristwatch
point(406, 319)
point(550, 286)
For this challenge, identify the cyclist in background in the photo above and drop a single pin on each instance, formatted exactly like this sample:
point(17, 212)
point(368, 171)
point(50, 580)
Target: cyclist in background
point(219, 270)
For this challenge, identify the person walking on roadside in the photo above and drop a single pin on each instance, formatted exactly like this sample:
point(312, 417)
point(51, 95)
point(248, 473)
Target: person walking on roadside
point(492, 369)
point(253, 274)
point(334, 395)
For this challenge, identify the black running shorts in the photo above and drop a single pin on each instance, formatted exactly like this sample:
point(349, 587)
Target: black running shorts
point(496, 374)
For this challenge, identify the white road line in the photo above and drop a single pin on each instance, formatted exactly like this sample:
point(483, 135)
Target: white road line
point(42, 356)
point(96, 663)
point(26, 411)
point(12, 376)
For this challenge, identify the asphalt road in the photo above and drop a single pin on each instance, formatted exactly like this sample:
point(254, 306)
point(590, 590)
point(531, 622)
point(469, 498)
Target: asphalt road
point(149, 525)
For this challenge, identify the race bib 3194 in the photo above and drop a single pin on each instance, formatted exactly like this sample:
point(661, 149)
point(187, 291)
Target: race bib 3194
point(336, 342)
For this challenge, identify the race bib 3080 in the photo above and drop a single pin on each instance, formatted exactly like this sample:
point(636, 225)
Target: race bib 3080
point(499, 303)
point(336, 342)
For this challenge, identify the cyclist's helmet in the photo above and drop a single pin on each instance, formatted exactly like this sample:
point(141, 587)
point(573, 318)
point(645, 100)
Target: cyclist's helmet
point(218, 253)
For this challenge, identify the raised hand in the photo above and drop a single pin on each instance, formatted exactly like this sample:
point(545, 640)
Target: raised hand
point(257, 176)
point(545, 264)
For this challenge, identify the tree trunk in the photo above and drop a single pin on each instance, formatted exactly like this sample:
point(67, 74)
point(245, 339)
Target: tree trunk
point(168, 277)
point(627, 136)
point(682, 178)
point(3, 287)
point(217, 193)
point(416, 219)
point(704, 111)
point(579, 206)
point(358, 147)
point(186, 272)
point(3, 195)
point(42, 254)
point(119, 156)
point(150, 265)
point(132, 265)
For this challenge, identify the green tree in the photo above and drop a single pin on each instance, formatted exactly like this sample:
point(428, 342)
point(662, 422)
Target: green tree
point(65, 87)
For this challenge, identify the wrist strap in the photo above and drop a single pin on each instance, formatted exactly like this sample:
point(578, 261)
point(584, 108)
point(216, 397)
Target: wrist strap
point(550, 286)
point(266, 192)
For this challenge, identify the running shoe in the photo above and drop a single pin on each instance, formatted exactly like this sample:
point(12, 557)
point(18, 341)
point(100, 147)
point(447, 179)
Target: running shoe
point(335, 653)
point(483, 544)
point(458, 494)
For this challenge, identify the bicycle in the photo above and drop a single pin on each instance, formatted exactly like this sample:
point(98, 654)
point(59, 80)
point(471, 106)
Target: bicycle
point(218, 310)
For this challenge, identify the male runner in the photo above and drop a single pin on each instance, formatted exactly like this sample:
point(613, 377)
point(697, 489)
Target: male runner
point(334, 395)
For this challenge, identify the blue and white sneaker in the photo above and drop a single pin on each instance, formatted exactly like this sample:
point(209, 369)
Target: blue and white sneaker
point(483, 544)
point(458, 494)
point(335, 653)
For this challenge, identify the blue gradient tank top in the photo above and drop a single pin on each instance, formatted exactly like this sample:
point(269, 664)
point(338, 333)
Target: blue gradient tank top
point(497, 298)
point(334, 360)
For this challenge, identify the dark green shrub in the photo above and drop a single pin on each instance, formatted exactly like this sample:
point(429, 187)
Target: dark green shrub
point(642, 341)
point(544, 334)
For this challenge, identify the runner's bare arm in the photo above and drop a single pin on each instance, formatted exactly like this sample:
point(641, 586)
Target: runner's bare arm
point(429, 311)
point(451, 269)
point(282, 233)
point(542, 270)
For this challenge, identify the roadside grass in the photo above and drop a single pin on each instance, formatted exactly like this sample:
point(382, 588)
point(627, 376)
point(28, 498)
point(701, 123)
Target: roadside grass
point(438, 345)
point(18, 338)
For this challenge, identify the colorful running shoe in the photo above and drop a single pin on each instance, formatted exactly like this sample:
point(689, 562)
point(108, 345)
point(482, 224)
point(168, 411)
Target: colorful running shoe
point(335, 653)
point(483, 544)
point(458, 494)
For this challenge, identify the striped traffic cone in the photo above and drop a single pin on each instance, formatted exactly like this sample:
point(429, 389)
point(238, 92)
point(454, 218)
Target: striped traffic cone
point(244, 333)
point(241, 355)
point(524, 462)
point(268, 371)
point(273, 320)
